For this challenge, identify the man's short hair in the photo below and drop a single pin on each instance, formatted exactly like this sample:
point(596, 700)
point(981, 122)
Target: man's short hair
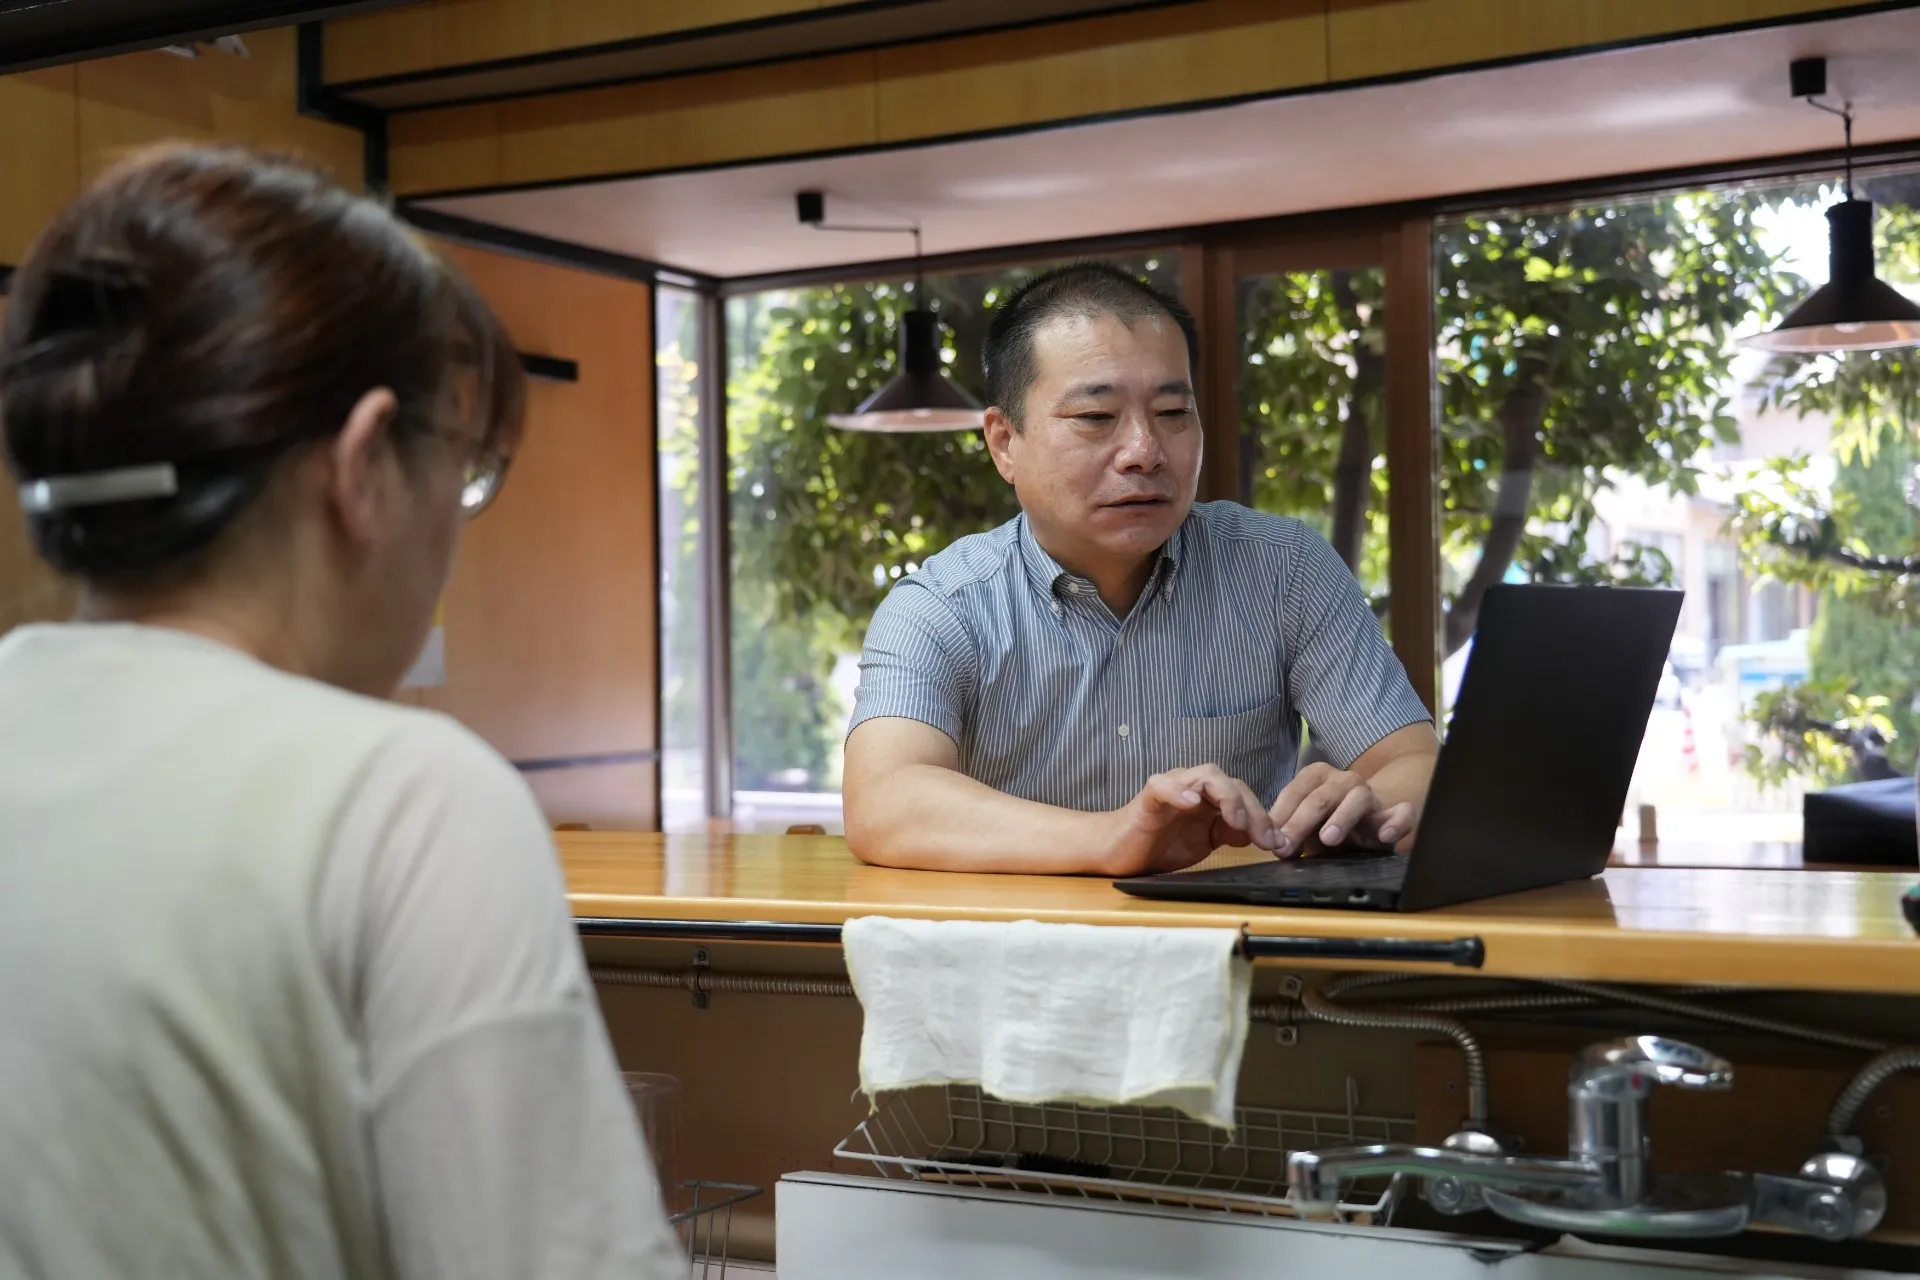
point(1078, 289)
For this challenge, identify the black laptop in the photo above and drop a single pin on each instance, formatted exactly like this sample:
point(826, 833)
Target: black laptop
point(1530, 783)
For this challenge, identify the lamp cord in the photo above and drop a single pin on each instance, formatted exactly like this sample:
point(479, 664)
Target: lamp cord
point(1845, 112)
point(911, 229)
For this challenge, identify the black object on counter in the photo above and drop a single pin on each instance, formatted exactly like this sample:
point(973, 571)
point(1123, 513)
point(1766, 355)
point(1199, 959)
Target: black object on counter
point(1910, 904)
point(1863, 823)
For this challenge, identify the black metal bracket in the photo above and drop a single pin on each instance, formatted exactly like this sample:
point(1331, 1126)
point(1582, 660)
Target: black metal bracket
point(316, 100)
point(550, 368)
point(1465, 953)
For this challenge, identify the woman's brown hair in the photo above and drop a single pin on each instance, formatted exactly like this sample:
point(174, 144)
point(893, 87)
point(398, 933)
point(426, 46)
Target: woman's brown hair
point(213, 308)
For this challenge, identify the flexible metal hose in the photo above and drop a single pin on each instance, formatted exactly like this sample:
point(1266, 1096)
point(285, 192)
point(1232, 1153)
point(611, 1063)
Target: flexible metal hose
point(1725, 1017)
point(1846, 1108)
point(1282, 1012)
point(1532, 1001)
point(1519, 1002)
point(700, 981)
point(1322, 1007)
point(1577, 995)
point(1346, 983)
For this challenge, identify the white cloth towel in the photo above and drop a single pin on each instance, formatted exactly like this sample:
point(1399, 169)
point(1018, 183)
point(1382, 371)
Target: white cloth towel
point(1031, 1012)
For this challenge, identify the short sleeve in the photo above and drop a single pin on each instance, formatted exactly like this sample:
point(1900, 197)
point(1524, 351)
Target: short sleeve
point(918, 662)
point(1341, 674)
point(502, 1138)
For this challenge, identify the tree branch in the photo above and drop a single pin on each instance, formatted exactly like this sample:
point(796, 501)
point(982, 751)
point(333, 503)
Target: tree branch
point(1896, 565)
point(1521, 415)
point(1353, 472)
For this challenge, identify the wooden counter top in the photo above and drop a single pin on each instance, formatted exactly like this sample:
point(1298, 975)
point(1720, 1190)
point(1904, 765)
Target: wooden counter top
point(1818, 930)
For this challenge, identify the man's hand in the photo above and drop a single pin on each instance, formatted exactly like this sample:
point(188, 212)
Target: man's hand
point(1338, 806)
point(1181, 816)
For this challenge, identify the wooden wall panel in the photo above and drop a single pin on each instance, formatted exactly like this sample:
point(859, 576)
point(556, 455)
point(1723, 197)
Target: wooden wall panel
point(445, 149)
point(1368, 38)
point(1127, 62)
point(550, 618)
point(1203, 51)
point(39, 154)
point(818, 105)
point(822, 104)
point(141, 98)
point(448, 33)
point(609, 797)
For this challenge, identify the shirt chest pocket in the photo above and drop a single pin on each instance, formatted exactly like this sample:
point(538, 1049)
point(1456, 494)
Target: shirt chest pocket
point(1247, 744)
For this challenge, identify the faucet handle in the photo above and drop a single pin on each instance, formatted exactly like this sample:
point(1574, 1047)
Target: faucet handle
point(1643, 1060)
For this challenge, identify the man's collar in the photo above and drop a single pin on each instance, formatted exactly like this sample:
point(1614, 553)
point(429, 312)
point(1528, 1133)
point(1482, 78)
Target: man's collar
point(1043, 571)
point(1049, 578)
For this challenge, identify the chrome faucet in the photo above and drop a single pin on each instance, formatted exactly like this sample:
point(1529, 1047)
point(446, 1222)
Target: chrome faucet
point(1606, 1182)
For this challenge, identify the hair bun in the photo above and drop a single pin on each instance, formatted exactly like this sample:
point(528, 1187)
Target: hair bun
point(95, 296)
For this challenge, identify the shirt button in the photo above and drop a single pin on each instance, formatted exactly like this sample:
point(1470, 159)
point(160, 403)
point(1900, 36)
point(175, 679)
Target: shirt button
point(1124, 731)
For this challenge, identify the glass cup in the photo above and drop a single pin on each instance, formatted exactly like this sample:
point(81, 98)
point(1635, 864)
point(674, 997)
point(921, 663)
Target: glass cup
point(656, 1104)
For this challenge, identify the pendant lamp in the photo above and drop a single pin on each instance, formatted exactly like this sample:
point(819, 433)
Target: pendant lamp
point(1854, 310)
point(919, 397)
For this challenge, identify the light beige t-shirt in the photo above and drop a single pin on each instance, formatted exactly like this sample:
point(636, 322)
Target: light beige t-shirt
point(288, 987)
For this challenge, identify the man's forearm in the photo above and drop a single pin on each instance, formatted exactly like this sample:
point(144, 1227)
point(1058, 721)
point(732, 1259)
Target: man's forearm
point(1405, 777)
point(931, 818)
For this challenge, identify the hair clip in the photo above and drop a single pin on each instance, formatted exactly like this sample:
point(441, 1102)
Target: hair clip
point(99, 488)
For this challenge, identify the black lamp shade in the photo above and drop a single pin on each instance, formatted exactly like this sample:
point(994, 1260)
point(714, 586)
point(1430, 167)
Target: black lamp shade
point(1854, 310)
point(920, 397)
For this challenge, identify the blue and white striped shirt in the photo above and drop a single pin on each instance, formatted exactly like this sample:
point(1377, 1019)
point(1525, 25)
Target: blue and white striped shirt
point(1248, 623)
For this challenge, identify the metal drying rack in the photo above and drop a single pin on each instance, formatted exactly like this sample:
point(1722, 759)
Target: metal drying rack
point(960, 1136)
point(706, 1227)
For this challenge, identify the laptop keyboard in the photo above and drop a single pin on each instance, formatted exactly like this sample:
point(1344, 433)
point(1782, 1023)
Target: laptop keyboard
point(1384, 872)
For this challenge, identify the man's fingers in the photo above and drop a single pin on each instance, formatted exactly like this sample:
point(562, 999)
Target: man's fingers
point(1238, 806)
point(1166, 794)
point(1353, 810)
point(1298, 788)
point(1313, 811)
point(1394, 824)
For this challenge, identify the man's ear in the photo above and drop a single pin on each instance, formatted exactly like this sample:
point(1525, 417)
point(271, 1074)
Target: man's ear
point(359, 458)
point(1000, 431)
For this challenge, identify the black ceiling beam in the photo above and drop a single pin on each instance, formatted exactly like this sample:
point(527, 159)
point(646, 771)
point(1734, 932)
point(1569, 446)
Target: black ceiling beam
point(561, 253)
point(50, 32)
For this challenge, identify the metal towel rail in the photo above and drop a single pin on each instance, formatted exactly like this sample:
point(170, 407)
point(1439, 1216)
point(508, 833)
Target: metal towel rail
point(1465, 953)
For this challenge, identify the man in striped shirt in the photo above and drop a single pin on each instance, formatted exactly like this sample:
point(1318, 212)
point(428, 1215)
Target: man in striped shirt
point(1113, 682)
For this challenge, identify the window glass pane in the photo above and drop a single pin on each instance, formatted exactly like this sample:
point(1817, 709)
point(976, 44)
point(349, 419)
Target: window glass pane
point(676, 348)
point(1600, 425)
point(825, 521)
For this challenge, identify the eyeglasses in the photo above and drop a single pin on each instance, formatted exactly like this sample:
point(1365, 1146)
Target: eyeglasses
point(482, 481)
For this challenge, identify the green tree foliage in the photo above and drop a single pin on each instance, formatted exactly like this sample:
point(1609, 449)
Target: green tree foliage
point(1576, 347)
point(1573, 347)
point(1855, 540)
